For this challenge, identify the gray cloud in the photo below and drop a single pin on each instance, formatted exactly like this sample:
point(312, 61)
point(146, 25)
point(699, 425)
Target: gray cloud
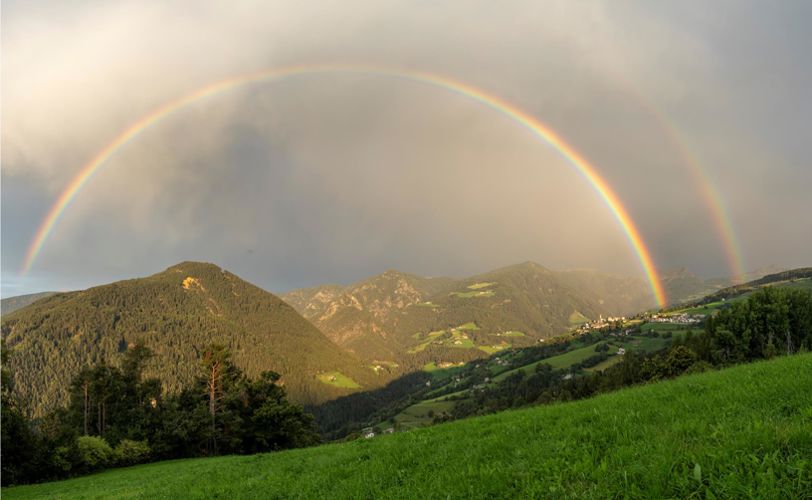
point(334, 177)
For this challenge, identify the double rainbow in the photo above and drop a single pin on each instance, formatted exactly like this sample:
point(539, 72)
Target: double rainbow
point(527, 121)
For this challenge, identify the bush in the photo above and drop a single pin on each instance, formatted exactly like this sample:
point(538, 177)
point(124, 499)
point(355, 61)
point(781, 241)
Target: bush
point(94, 452)
point(129, 452)
point(63, 459)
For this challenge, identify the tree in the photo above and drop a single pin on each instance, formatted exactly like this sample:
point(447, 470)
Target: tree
point(20, 444)
point(219, 374)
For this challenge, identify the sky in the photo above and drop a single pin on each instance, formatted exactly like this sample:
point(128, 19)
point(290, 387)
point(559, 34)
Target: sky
point(330, 178)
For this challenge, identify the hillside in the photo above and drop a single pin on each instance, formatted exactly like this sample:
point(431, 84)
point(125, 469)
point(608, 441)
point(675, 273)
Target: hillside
point(175, 313)
point(795, 278)
point(398, 319)
point(715, 435)
point(11, 304)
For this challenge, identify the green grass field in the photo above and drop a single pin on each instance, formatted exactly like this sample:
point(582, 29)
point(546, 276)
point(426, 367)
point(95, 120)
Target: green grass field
point(605, 364)
point(422, 414)
point(668, 327)
point(564, 360)
point(569, 358)
point(455, 338)
point(474, 293)
point(744, 432)
point(338, 379)
point(479, 286)
point(492, 349)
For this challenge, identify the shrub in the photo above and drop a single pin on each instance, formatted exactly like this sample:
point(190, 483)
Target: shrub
point(94, 452)
point(63, 458)
point(129, 452)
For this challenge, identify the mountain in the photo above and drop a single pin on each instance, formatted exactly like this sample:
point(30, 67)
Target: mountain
point(175, 313)
point(800, 278)
point(681, 285)
point(11, 304)
point(763, 272)
point(401, 320)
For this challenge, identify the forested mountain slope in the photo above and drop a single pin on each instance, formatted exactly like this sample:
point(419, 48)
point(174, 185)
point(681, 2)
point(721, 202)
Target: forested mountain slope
point(175, 313)
point(398, 318)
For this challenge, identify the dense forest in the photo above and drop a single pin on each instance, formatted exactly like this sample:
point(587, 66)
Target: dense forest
point(176, 314)
point(115, 416)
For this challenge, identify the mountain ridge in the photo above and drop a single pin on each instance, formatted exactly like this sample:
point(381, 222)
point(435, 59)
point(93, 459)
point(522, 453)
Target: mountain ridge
point(410, 320)
point(175, 313)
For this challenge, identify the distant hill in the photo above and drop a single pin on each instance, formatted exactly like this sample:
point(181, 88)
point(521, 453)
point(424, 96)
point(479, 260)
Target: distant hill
point(401, 319)
point(11, 304)
point(683, 287)
point(175, 313)
point(799, 278)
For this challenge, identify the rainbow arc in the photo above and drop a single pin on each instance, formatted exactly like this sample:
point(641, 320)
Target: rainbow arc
point(525, 120)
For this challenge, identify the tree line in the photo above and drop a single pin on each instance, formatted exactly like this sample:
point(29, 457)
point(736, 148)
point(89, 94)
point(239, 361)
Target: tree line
point(116, 416)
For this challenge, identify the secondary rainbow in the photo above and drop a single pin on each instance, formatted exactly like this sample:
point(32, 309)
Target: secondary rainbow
point(529, 122)
point(710, 196)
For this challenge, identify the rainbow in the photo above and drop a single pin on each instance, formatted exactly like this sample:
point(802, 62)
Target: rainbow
point(527, 121)
point(710, 196)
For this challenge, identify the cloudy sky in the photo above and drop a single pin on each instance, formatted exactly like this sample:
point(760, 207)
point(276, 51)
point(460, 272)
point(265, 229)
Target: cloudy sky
point(333, 177)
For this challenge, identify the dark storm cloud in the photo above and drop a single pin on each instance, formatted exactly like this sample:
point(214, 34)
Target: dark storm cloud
point(333, 178)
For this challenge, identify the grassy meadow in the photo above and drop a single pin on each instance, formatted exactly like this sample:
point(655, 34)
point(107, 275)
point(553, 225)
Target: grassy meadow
point(338, 379)
point(742, 432)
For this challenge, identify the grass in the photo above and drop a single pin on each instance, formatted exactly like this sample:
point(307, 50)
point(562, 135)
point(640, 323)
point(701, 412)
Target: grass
point(744, 432)
point(474, 293)
point(569, 358)
point(491, 349)
point(338, 379)
point(456, 338)
point(577, 318)
point(388, 364)
point(800, 284)
point(511, 333)
point(422, 414)
point(377, 366)
point(558, 362)
point(481, 285)
point(605, 364)
point(666, 327)
point(706, 309)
